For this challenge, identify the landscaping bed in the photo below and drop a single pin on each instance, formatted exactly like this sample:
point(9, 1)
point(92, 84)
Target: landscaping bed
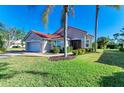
point(57, 58)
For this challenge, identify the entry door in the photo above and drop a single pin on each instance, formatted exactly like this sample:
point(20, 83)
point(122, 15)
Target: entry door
point(76, 44)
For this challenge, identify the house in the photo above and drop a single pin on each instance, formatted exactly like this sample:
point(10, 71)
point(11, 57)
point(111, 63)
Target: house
point(39, 42)
point(16, 43)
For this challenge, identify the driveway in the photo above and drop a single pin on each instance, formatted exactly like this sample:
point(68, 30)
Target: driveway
point(24, 53)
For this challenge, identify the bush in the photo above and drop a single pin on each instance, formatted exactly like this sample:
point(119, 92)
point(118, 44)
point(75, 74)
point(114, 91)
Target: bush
point(121, 49)
point(89, 50)
point(79, 52)
point(15, 46)
point(69, 49)
point(75, 52)
point(82, 51)
point(114, 46)
point(55, 50)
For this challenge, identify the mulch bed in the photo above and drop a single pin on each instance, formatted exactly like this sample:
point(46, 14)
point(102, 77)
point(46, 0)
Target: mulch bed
point(57, 58)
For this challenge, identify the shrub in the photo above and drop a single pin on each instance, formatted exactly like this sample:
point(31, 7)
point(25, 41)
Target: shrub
point(79, 52)
point(82, 51)
point(69, 49)
point(15, 46)
point(75, 52)
point(114, 46)
point(121, 49)
point(89, 50)
point(55, 50)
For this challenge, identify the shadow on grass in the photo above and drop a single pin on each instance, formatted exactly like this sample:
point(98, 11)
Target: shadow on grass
point(44, 74)
point(116, 80)
point(3, 68)
point(112, 57)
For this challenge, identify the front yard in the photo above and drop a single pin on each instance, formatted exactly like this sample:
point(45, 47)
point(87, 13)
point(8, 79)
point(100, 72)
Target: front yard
point(93, 69)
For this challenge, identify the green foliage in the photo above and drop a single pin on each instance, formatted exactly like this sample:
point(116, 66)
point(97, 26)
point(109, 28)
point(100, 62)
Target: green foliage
point(121, 49)
point(55, 50)
point(89, 50)
point(2, 45)
point(75, 52)
point(79, 51)
point(10, 34)
point(69, 49)
point(82, 51)
point(112, 46)
point(102, 42)
point(1, 42)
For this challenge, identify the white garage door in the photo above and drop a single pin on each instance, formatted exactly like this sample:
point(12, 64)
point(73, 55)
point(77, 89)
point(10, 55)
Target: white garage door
point(34, 46)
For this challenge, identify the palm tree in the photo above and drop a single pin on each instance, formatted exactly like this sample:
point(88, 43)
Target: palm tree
point(64, 21)
point(96, 20)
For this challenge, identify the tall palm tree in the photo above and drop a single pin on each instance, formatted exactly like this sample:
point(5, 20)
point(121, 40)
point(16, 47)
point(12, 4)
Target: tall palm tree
point(96, 20)
point(64, 20)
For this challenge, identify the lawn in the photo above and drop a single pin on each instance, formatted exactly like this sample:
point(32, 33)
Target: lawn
point(104, 68)
point(15, 49)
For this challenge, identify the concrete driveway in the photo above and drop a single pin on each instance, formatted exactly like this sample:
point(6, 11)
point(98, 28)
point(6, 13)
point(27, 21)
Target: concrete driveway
point(24, 53)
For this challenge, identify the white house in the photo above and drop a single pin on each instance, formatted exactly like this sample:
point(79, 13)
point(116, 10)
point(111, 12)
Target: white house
point(39, 42)
point(16, 43)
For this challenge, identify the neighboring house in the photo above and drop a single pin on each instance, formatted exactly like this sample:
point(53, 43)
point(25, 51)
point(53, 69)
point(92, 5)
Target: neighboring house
point(39, 42)
point(15, 43)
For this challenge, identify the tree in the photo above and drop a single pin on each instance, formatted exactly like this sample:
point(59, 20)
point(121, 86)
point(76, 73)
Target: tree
point(116, 36)
point(96, 21)
point(14, 35)
point(121, 37)
point(1, 42)
point(64, 21)
point(102, 42)
point(9, 35)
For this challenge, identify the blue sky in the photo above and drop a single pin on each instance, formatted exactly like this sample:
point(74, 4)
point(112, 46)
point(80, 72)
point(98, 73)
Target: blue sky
point(27, 18)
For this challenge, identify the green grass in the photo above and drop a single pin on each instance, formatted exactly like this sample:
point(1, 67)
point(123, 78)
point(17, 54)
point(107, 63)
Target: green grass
point(93, 69)
point(15, 49)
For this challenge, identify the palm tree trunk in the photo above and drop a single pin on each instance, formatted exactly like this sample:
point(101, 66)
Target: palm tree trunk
point(96, 26)
point(65, 29)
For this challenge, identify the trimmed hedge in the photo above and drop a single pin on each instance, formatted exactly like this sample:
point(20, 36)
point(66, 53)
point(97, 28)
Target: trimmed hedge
point(82, 51)
point(69, 49)
point(115, 46)
point(89, 50)
point(55, 50)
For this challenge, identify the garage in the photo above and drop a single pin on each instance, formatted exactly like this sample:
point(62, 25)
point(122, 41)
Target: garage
point(33, 46)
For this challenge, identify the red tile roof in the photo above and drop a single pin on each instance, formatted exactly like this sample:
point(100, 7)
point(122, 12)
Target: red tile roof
point(47, 35)
point(57, 34)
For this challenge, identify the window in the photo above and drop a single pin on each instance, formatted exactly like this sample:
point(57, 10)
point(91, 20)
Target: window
point(87, 43)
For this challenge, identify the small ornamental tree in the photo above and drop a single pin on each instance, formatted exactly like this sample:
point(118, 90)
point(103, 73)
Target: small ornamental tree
point(102, 42)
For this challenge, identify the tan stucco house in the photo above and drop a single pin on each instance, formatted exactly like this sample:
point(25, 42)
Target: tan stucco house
point(40, 42)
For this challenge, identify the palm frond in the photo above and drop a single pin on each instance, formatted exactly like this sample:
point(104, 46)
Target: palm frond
point(115, 6)
point(71, 10)
point(46, 14)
